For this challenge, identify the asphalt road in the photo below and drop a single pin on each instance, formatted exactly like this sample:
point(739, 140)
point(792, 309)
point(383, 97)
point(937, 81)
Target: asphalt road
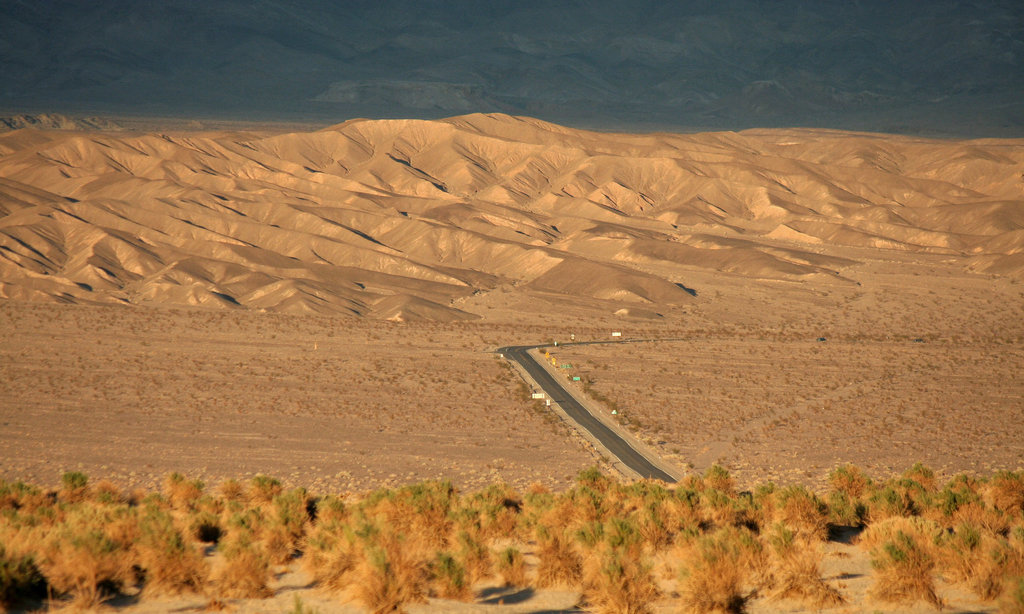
point(602, 432)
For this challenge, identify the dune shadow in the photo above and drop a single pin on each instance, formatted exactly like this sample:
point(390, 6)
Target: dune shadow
point(689, 291)
point(227, 297)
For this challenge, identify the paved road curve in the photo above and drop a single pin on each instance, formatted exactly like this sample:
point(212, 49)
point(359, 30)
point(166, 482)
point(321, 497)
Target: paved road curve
point(558, 394)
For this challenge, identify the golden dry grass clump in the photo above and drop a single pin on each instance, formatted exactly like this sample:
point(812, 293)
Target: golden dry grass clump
point(905, 571)
point(715, 571)
point(246, 568)
point(169, 561)
point(969, 531)
point(801, 510)
point(797, 569)
point(512, 567)
point(623, 584)
point(620, 545)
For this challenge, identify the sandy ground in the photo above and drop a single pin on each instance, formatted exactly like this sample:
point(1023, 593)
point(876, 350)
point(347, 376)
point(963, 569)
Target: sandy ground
point(328, 403)
point(918, 364)
point(350, 404)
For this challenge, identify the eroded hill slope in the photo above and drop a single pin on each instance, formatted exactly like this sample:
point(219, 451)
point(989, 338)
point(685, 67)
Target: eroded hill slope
point(401, 219)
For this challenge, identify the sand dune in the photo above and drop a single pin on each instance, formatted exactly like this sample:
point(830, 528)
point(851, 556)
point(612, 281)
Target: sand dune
point(401, 219)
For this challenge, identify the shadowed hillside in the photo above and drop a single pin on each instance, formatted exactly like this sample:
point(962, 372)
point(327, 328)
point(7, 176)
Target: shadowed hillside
point(932, 68)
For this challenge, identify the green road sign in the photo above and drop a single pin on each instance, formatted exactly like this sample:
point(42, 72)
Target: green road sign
point(576, 378)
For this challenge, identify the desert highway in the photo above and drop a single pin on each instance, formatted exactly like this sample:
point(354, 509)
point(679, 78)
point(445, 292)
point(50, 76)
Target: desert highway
point(557, 392)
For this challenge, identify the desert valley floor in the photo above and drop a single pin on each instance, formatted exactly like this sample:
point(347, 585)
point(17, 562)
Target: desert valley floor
point(349, 404)
point(324, 306)
point(324, 303)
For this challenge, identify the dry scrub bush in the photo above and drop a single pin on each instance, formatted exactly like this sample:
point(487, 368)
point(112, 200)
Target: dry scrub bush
point(387, 578)
point(724, 510)
point(762, 505)
point(959, 553)
point(924, 531)
point(801, 512)
point(329, 548)
point(497, 511)
point(170, 564)
point(20, 579)
point(204, 526)
point(448, 578)
point(286, 525)
point(978, 514)
point(1000, 563)
point(797, 570)
point(842, 511)
point(422, 511)
point(904, 570)
point(181, 492)
point(654, 525)
point(232, 490)
point(559, 564)
point(74, 487)
point(949, 506)
point(623, 584)
point(849, 480)
point(922, 475)
point(85, 556)
point(683, 511)
point(512, 567)
point(889, 502)
point(246, 570)
point(24, 498)
point(592, 478)
point(328, 557)
point(1005, 492)
point(648, 508)
point(718, 477)
point(582, 505)
point(474, 557)
point(263, 489)
point(300, 608)
point(713, 574)
point(982, 560)
point(107, 493)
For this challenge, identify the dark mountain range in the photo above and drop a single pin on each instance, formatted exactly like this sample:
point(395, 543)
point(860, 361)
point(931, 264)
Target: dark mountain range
point(939, 68)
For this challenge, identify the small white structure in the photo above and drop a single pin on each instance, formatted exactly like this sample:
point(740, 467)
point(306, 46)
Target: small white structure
point(537, 395)
point(616, 334)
